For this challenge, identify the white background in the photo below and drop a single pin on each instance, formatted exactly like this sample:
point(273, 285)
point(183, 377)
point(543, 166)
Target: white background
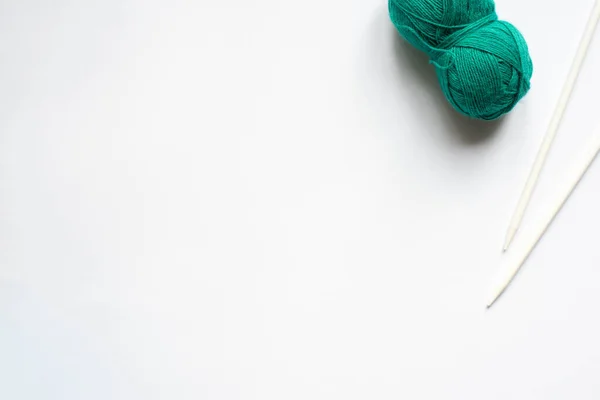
point(263, 199)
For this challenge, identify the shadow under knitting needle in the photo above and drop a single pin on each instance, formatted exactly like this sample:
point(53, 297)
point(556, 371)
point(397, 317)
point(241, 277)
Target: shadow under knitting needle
point(468, 130)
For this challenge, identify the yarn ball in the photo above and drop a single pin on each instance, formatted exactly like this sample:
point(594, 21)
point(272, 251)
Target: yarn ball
point(482, 63)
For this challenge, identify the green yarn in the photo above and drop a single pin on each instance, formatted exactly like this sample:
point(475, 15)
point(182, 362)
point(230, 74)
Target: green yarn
point(482, 63)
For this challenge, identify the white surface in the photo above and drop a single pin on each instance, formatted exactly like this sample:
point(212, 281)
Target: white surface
point(557, 117)
point(271, 200)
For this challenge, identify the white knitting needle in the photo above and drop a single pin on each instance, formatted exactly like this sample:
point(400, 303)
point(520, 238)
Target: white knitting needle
point(554, 124)
point(594, 149)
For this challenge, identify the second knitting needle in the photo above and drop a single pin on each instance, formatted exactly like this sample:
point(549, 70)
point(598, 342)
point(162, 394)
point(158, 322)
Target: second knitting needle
point(554, 124)
point(580, 172)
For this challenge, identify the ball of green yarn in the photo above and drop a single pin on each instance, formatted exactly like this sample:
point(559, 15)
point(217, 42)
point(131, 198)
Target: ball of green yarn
point(482, 63)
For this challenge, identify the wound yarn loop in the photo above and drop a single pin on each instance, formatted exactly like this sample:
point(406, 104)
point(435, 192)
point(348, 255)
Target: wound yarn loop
point(482, 63)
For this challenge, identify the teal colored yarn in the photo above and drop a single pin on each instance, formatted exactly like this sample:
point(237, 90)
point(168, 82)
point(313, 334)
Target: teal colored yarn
point(482, 63)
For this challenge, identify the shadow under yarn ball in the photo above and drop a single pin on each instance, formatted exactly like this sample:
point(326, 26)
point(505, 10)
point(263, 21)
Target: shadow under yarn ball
point(482, 63)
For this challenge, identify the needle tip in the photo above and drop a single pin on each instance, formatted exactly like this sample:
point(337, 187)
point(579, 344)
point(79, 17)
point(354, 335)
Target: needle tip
point(509, 237)
point(494, 295)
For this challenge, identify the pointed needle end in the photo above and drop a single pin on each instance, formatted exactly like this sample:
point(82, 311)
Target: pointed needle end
point(509, 238)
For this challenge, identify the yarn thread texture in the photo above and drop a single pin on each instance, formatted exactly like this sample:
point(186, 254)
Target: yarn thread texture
point(482, 63)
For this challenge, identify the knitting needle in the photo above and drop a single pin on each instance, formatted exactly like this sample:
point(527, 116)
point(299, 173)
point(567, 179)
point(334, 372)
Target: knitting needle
point(580, 172)
point(553, 127)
